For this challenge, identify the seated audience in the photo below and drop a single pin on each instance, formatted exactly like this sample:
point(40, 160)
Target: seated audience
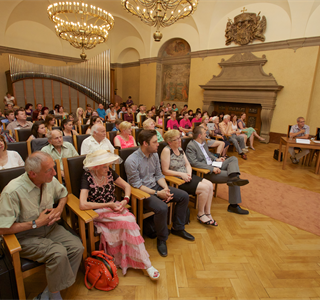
point(199, 156)
point(96, 141)
point(160, 120)
point(301, 131)
point(67, 128)
point(161, 105)
point(213, 114)
point(129, 116)
point(79, 115)
point(7, 137)
point(153, 110)
point(142, 112)
point(185, 124)
point(125, 138)
point(197, 117)
point(35, 113)
point(122, 111)
point(20, 122)
point(117, 225)
point(175, 163)
point(26, 210)
point(144, 172)
point(8, 159)
point(38, 130)
point(109, 109)
point(28, 109)
point(174, 107)
point(44, 113)
point(129, 101)
point(205, 114)
point(62, 112)
point(190, 113)
point(93, 120)
point(8, 99)
point(217, 132)
point(101, 111)
point(56, 110)
point(58, 149)
point(184, 109)
point(112, 115)
point(116, 125)
point(221, 115)
point(234, 126)
point(134, 109)
point(249, 131)
point(9, 117)
point(49, 122)
point(173, 123)
point(150, 124)
point(149, 114)
point(88, 111)
point(237, 141)
point(209, 134)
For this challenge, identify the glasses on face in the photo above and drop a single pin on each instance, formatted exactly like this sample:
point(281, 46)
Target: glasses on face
point(177, 139)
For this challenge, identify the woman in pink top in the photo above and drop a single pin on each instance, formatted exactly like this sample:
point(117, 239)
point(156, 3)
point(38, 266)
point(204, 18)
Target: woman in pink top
point(173, 123)
point(197, 118)
point(125, 138)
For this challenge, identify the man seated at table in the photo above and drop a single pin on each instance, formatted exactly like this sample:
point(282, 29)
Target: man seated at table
point(26, 209)
point(59, 149)
point(301, 131)
point(96, 141)
point(199, 156)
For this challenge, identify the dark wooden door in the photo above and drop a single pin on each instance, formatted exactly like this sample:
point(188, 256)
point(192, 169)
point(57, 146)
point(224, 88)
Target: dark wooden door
point(253, 112)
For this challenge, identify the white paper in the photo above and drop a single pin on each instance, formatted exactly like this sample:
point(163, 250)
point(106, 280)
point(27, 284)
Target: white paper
point(302, 141)
point(217, 164)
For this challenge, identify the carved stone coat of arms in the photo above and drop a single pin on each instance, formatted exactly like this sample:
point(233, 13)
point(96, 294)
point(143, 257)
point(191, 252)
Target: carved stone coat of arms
point(245, 28)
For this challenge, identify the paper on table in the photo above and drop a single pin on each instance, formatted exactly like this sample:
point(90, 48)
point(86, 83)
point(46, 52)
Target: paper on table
point(303, 141)
point(217, 164)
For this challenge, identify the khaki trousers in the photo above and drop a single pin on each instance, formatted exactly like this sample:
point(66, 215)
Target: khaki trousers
point(59, 249)
point(299, 155)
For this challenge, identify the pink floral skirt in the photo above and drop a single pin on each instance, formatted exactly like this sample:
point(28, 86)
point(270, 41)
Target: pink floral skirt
point(120, 237)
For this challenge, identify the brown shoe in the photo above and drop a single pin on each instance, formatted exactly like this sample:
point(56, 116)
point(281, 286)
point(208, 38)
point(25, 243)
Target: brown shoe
point(243, 156)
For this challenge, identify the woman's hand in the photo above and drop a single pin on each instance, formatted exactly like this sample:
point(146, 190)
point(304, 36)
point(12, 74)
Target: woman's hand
point(186, 177)
point(118, 206)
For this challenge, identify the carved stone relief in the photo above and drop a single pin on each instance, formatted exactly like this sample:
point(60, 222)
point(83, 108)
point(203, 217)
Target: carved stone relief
point(242, 80)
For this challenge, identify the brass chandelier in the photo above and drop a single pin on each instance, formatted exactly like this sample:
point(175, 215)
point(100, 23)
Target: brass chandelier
point(160, 12)
point(81, 25)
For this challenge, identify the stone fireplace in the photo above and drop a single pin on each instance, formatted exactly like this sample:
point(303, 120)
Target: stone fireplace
point(242, 80)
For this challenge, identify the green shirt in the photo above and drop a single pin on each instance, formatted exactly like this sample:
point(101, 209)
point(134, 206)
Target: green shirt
point(67, 150)
point(22, 201)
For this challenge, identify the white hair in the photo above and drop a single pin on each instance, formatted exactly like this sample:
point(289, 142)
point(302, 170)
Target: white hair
point(49, 133)
point(34, 161)
point(214, 118)
point(226, 116)
point(94, 128)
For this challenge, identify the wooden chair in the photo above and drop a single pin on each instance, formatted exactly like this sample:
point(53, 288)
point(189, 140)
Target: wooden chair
point(136, 193)
point(22, 134)
point(78, 139)
point(20, 147)
point(142, 119)
point(109, 126)
point(24, 268)
point(195, 124)
point(111, 135)
point(136, 132)
point(83, 128)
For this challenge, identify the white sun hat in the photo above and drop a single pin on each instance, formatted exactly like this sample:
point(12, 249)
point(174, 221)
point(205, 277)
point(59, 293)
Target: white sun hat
point(101, 157)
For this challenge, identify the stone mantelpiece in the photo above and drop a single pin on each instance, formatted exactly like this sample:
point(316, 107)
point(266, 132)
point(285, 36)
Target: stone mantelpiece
point(242, 80)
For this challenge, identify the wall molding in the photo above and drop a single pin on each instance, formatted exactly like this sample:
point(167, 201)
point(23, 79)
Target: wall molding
point(24, 52)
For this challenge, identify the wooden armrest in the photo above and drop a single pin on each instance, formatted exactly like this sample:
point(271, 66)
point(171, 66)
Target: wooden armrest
point(140, 195)
point(12, 243)
point(174, 180)
point(217, 137)
point(204, 171)
point(85, 215)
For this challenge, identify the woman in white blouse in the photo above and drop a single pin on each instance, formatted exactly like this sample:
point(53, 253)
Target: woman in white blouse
point(8, 159)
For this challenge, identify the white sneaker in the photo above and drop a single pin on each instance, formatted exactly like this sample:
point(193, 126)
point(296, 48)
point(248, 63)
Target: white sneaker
point(245, 150)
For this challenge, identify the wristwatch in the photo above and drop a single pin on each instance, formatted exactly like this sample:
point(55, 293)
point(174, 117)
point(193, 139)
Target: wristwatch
point(156, 193)
point(34, 225)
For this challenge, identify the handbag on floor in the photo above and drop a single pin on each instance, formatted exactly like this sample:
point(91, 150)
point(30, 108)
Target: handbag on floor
point(101, 272)
point(276, 154)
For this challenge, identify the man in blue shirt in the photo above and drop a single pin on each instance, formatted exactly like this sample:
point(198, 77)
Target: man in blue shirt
point(101, 112)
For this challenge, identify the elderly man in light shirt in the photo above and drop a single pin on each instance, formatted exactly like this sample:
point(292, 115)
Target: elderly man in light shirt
point(96, 141)
point(59, 149)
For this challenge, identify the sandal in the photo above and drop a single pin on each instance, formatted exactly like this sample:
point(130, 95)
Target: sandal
point(214, 221)
point(152, 272)
point(208, 222)
point(252, 148)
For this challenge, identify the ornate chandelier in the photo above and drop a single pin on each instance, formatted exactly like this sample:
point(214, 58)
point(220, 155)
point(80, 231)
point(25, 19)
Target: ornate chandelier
point(81, 25)
point(160, 12)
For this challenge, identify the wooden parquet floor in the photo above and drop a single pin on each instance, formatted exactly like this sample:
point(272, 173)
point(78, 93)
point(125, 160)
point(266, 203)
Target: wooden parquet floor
point(245, 257)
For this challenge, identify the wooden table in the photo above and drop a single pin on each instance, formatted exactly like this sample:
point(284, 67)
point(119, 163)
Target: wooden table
point(292, 143)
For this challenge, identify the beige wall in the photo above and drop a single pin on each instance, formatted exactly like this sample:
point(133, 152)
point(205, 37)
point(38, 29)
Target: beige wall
point(130, 84)
point(148, 84)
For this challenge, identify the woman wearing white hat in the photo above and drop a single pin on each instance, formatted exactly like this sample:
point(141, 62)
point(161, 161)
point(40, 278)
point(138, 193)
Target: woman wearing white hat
point(120, 234)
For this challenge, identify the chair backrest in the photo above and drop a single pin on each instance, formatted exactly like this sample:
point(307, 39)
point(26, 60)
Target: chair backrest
point(135, 117)
point(80, 138)
point(136, 132)
point(165, 121)
point(195, 124)
point(184, 143)
point(6, 131)
point(58, 117)
point(318, 134)
point(161, 147)
point(124, 154)
point(69, 139)
point(109, 126)
point(20, 147)
point(85, 120)
point(7, 175)
point(29, 119)
point(289, 128)
point(83, 128)
point(142, 119)
point(56, 128)
point(73, 179)
point(38, 144)
point(111, 135)
point(22, 134)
